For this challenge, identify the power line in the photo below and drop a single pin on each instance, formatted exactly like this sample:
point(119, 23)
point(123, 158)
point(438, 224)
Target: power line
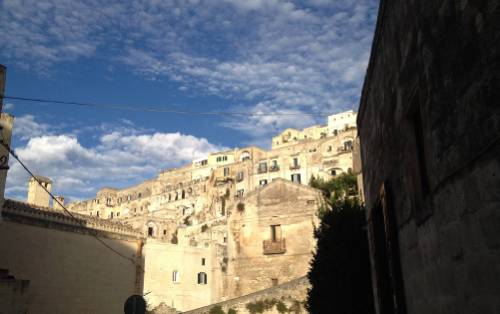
point(164, 109)
point(7, 147)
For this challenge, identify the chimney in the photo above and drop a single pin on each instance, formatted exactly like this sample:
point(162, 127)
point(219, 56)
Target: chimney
point(56, 205)
point(36, 194)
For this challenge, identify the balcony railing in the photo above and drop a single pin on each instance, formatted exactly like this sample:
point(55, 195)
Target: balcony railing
point(274, 247)
point(261, 170)
point(294, 167)
point(274, 168)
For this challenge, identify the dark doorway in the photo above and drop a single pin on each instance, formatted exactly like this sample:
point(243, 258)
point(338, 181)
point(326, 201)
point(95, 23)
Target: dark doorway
point(384, 248)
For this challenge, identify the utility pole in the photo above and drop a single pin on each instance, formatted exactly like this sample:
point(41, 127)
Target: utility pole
point(6, 121)
point(3, 76)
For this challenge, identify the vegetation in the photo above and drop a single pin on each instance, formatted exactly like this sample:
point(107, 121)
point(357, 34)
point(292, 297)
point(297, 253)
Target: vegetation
point(216, 310)
point(340, 269)
point(261, 306)
point(281, 307)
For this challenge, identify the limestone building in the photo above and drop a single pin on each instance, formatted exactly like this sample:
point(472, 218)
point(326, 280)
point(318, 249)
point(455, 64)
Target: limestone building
point(235, 222)
point(429, 125)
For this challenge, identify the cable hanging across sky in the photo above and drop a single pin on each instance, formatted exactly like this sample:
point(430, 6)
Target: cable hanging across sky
point(164, 109)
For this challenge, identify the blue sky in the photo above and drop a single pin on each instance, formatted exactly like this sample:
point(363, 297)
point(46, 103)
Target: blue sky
point(255, 56)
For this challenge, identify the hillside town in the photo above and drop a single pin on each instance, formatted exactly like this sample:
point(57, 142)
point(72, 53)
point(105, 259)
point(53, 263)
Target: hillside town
point(366, 181)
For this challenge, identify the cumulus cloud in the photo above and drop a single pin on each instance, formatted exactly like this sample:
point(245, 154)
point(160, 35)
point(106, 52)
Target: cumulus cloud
point(299, 56)
point(117, 159)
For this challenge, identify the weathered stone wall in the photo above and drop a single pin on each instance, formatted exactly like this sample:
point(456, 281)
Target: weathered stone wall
point(429, 123)
point(292, 294)
point(253, 265)
point(162, 259)
point(13, 294)
point(68, 269)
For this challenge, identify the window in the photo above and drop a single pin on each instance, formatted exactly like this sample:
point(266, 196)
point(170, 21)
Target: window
point(150, 231)
point(226, 171)
point(175, 276)
point(263, 182)
point(240, 176)
point(262, 167)
point(202, 278)
point(203, 261)
point(275, 233)
point(348, 145)
point(296, 177)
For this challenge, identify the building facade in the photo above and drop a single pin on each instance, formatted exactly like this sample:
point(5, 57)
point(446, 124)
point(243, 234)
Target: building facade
point(233, 223)
point(429, 125)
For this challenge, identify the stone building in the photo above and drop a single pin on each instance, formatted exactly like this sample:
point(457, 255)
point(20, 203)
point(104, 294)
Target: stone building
point(205, 222)
point(429, 124)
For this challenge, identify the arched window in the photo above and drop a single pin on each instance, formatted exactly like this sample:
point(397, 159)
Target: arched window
point(175, 276)
point(202, 278)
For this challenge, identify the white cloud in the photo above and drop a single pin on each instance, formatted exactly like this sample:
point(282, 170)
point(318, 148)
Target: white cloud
point(118, 159)
point(299, 56)
point(25, 127)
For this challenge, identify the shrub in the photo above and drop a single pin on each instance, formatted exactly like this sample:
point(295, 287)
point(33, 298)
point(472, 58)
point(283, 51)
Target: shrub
point(281, 307)
point(216, 310)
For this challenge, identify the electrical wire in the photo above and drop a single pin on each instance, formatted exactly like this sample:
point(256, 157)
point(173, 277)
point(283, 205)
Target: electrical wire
point(7, 147)
point(163, 109)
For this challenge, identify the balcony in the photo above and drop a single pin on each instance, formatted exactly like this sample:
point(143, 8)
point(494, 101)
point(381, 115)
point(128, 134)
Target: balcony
point(274, 168)
point(274, 247)
point(261, 170)
point(294, 167)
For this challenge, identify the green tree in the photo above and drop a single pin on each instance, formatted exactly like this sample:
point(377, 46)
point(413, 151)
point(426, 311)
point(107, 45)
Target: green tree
point(340, 270)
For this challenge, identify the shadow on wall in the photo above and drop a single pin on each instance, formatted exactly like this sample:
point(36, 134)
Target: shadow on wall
point(69, 271)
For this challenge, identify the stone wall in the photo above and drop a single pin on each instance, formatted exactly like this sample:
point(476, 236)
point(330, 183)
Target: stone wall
point(292, 294)
point(68, 269)
point(255, 261)
point(429, 124)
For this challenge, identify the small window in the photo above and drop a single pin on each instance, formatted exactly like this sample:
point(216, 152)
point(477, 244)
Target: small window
point(203, 261)
point(150, 231)
point(296, 177)
point(202, 278)
point(275, 233)
point(240, 176)
point(175, 276)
